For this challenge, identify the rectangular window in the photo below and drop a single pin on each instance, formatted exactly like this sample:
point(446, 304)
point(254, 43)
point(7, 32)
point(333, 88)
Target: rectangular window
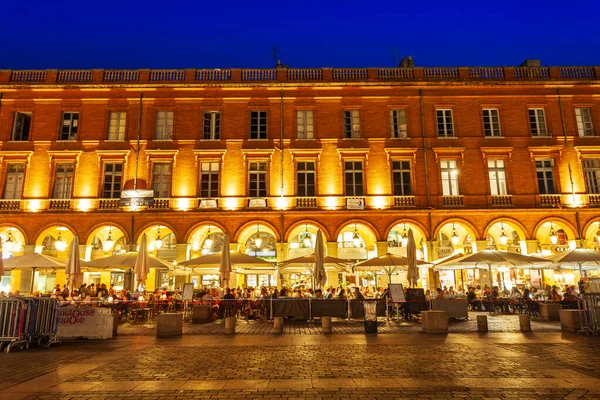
point(352, 124)
point(545, 175)
point(63, 181)
point(491, 122)
point(449, 177)
point(116, 125)
point(209, 179)
point(401, 178)
point(161, 180)
point(212, 126)
point(257, 179)
point(591, 168)
point(398, 124)
point(305, 179)
point(537, 122)
point(497, 175)
point(258, 125)
point(111, 184)
point(353, 174)
point(70, 126)
point(164, 125)
point(15, 177)
point(445, 125)
point(304, 124)
point(585, 127)
point(22, 126)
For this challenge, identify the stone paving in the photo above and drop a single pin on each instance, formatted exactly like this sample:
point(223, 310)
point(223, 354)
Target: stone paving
point(509, 365)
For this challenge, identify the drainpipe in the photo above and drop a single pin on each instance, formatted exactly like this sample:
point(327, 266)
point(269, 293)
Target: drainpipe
point(424, 151)
point(281, 138)
point(562, 116)
point(137, 149)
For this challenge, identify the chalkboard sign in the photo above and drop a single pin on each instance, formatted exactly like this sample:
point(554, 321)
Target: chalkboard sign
point(188, 292)
point(396, 292)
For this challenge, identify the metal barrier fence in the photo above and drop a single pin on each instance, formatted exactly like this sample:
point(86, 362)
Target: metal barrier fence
point(12, 312)
point(589, 314)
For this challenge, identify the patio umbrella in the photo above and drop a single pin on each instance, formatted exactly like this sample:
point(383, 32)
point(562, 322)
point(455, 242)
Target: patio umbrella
point(388, 263)
point(225, 264)
point(141, 267)
point(411, 255)
point(127, 260)
point(309, 259)
point(485, 259)
point(214, 260)
point(583, 259)
point(34, 260)
point(73, 268)
point(320, 275)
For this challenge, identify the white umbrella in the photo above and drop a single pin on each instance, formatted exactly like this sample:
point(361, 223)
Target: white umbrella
point(225, 264)
point(141, 267)
point(411, 255)
point(320, 275)
point(584, 259)
point(214, 260)
point(34, 260)
point(73, 268)
point(127, 260)
point(389, 263)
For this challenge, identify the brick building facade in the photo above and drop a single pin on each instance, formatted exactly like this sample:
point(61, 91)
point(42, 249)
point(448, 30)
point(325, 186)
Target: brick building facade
point(469, 158)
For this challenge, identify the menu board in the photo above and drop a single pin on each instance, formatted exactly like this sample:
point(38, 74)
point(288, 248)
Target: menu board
point(396, 292)
point(188, 292)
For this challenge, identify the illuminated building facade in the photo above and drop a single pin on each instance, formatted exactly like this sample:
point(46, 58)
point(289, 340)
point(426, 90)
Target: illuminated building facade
point(468, 158)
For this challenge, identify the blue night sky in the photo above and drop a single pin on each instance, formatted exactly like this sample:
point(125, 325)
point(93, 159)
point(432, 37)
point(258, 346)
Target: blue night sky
point(223, 34)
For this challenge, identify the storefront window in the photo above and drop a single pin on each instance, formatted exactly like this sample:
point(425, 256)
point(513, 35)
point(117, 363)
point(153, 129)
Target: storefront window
point(117, 279)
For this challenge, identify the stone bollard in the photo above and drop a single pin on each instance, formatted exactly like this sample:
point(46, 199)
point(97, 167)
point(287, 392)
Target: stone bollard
point(169, 324)
point(524, 323)
point(550, 311)
point(482, 325)
point(569, 320)
point(278, 324)
point(434, 321)
point(326, 324)
point(229, 325)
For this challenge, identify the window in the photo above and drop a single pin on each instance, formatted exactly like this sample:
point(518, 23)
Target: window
point(445, 125)
point(258, 125)
point(591, 168)
point(491, 122)
point(401, 178)
point(305, 124)
point(164, 125)
point(70, 126)
point(63, 181)
point(497, 175)
point(585, 127)
point(212, 126)
point(22, 126)
point(352, 124)
point(398, 124)
point(449, 178)
point(257, 179)
point(111, 185)
point(161, 180)
point(353, 174)
point(209, 179)
point(305, 178)
point(545, 175)
point(537, 122)
point(15, 176)
point(116, 125)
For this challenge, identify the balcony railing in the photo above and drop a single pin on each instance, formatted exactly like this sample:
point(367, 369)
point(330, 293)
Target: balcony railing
point(108, 204)
point(349, 74)
point(75, 76)
point(550, 200)
point(259, 75)
point(28, 76)
point(313, 74)
point(306, 202)
point(502, 200)
point(404, 201)
point(594, 200)
point(395, 74)
point(532, 73)
point(440, 73)
point(60, 204)
point(10, 205)
point(160, 204)
point(453, 201)
point(167, 75)
point(213, 75)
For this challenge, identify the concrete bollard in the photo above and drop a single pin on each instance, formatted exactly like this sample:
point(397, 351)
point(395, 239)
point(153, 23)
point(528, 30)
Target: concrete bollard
point(569, 320)
point(524, 323)
point(169, 324)
point(278, 324)
point(229, 325)
point(326, 324)
point(482, 325)
point(435, 321)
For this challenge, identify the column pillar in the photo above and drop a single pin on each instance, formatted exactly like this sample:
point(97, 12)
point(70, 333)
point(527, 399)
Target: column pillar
point(481, 245)
point(332, 249)
point(381, 247)
point(532, 245)
point(282, 251)
point(181, 251)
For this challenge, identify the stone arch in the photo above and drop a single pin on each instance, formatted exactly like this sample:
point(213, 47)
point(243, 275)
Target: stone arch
point(302, 223)
point(245, 231)
point(188, 235)
point(422, 230)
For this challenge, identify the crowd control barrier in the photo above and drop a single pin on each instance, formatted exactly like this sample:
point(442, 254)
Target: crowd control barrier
point(12, 318)
point(27, 320)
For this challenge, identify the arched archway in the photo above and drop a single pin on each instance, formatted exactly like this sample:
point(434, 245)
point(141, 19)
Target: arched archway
point(104, 240)
point(506, 234)
point(301, 238)
point(357, 240)
point(454, 235)
point(554, 235)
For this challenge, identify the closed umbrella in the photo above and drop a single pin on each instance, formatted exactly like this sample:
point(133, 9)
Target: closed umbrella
point(73, 269)
point(320, 275)
point(225, 265)
point(141, 267)
point(411, 255)
point(583, 259)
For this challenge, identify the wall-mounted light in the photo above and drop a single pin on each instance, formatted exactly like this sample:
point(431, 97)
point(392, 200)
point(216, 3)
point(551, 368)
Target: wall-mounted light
point(404, 237)
point(454, 238)
point(257, 240)
point(306, 240)
point(208, 242)
point(59, 243)
point(553, 236)
point(109, 242)
point(356, 237)
point(9, 244)
point(503, 237)
point(158, 242)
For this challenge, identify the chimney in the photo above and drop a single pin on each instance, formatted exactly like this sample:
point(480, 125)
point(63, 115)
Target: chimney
point(530, 63)
point(407, 62)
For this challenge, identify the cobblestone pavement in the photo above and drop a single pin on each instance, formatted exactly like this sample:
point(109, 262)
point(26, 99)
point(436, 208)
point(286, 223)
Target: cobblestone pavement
point(496, 323)
point(546, 365)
